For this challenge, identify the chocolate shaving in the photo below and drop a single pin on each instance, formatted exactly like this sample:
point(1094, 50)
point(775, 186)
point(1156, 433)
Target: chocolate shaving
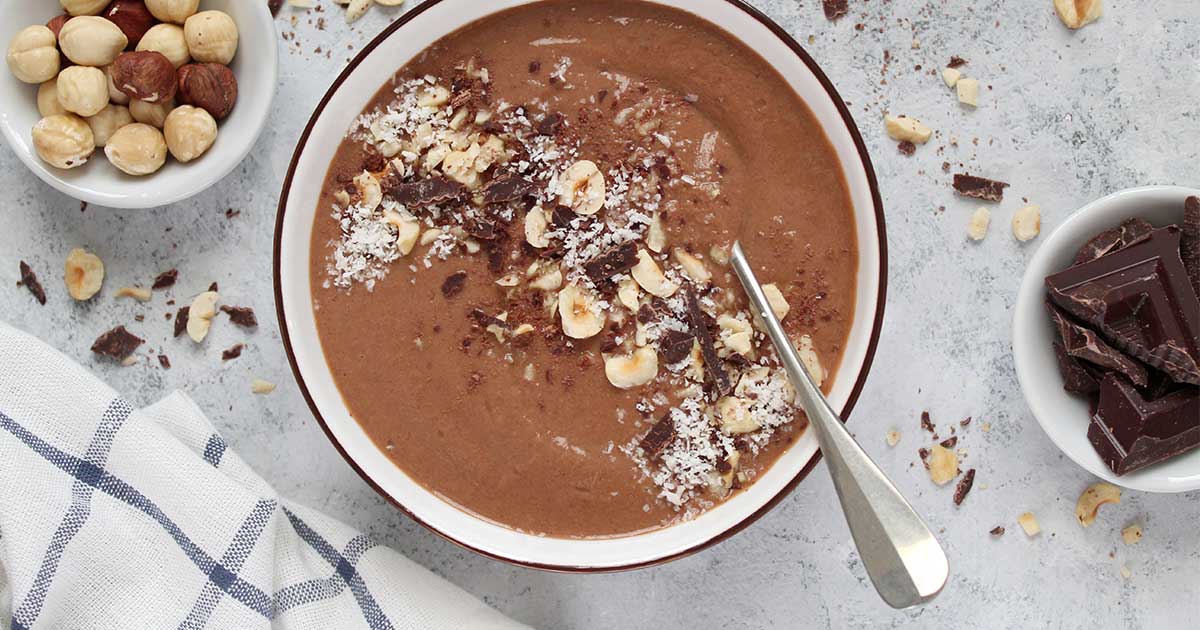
point(507, 186)
point(659, 437)
point(956, 62)
point(181, 320)
point(29, 279)
point(425, 192)
point(835, 9)
point(164, 361)
point(698, 322)
point(1189, 243)
point(233, 353)
point(906, 148)
point(675, 345)
point(484, 320)
point(997, 530)
point(927, 423)
point(454, 284)
point(165, 279)
point(482, 229)
point(1085, 344)
point(964, 486)
point(117, 343)
point(617, 260)
point(241, 315)
point(551, 124)
point(979, 187)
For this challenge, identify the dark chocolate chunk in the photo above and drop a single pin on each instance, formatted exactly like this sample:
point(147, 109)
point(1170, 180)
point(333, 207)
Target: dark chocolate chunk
point(713, 368)
point(1076, 379)
point(978, 187)
point(1081, 343)
point(164, 361)
point(660, 436)
point(1130, 432)
point(425, 192)
point(956, 62)
point(927, 422)
point(117, 343)
point(997, 530)
point(454, 284)
point(29, 279)
point(551, 124)
point(484, 320)
point(165, 279)
point(482, 229)
point(675, 346)
point(617, 260)
point(1140, 299)
point(964, 486)
point(507, 186)
point(907, 148)
point(562, 216)
point(1108, 241)
point(241, 315)
point(181, 320)
point(233, 352)
point(835, 9)
point(1189, 242)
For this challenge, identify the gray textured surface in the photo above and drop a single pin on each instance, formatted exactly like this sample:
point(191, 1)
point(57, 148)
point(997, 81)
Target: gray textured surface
point(1072, 116)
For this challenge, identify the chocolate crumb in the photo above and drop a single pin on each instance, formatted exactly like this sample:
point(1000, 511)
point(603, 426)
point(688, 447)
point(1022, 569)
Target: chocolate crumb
point(29, 279)
point(927, 422)
point(997, 530)
point(698, 323)
point(964, 486)
point(674, 345)
point(117, 343)
point(551, 124)
point(181, 320)
point(164, 361)
point(906, 148)
point(660, 435)
point(965, 421)
point(956, 62)
point(923, 453)
point(213, 287)
point(507, 186)
point(241, 315)
point(835, 9)
point(233, 353)
point(949, 442)
point(454, 284)
point(617, 260)
point(165, 279)
point(274, 5)
point(979, 187)
point(535, 66)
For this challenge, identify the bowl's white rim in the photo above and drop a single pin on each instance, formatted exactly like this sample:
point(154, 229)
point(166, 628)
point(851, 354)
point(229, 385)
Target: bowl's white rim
point(861, 173)
point(206, 178)
point(1028, 313)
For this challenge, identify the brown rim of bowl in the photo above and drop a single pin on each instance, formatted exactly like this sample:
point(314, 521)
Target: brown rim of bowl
point(766, 507)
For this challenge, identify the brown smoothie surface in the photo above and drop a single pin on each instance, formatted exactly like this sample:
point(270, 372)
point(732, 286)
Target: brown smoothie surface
point(520, 266)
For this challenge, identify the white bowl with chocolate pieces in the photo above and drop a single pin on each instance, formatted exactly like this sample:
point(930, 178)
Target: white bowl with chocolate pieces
point(1106, 338)
point(504, 279)
point(136, 103)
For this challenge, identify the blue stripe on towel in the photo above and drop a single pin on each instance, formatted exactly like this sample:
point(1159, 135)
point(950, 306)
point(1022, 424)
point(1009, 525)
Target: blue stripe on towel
point(223, 574)
point(374, 616)
point(26, 613)
point(319, 590)
point(214, 450)
point(95, 476)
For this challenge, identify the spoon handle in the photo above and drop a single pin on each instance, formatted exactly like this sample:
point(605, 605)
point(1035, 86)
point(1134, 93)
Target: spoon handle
point(905, 562)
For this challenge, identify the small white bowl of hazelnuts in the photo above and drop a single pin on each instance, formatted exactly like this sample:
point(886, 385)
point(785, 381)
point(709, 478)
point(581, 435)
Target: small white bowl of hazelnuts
point(135, 103)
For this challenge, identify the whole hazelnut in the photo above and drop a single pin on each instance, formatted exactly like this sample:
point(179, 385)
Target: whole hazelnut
point(167, 39)
point(153, 114)
point(137, 149)
point(209, 86)
point(107, 122)
point(83, 7)
point(175, 11)
point(33, 56)
point(132, 17)
point(212, 37)
point(83, 90)
point(190, 131)
point(89, 40)
point(63, 140)
point(56, 23)
point(115, 95)
point(145, 75)
point(47, 99)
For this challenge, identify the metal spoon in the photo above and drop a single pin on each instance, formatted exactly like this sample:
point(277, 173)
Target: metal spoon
point(904, 560)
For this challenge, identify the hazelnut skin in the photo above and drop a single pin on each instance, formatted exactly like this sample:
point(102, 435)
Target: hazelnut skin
point(145, 76)
point(132, 17)
point(209, 86)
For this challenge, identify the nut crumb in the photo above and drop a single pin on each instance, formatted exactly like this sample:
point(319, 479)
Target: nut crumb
point(1132, 534)
point(893, 437)
point(1078, 13)
point(1030, 524)
point(943, 465)
point(978, 227)
point(1027, 223)
point(1090, 501)
point(140, 294)
point(259, 386)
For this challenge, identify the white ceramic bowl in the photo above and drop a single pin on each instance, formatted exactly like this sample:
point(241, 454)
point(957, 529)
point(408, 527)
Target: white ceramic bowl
point(1063, 416)
point(347, 97)
point(256, 67)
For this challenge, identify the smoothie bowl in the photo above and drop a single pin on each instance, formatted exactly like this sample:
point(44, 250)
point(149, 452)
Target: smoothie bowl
point(501, 270)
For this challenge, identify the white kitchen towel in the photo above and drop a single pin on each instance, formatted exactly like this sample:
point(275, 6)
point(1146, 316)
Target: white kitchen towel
point(114, 517)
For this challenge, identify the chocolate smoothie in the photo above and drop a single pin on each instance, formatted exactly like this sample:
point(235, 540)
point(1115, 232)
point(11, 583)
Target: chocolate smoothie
point(521, 273)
